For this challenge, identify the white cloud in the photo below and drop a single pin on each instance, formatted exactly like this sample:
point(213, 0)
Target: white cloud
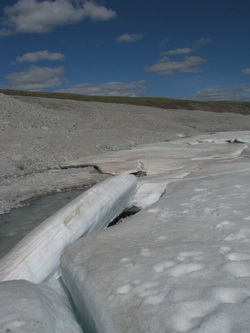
point(36, 78)
point(131, 89)
point(235, 94)
point(166, 67)
point(40, 55)
point(96, 12)
point(189, 64)
point(246, 71)
point(128, 38)
point(184, 50)
point(34, 16)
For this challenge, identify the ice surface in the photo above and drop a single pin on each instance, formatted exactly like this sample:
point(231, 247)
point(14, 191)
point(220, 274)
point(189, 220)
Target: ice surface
point(150, 189)
point(180, 265)
point(36, 257)
point(26, 307)
point(162, 157)
point(218, 138)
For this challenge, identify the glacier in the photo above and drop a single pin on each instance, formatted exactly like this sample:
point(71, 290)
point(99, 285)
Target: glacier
point(156, 158)
point(182, 264)
point(36, 257)
point(29, 308)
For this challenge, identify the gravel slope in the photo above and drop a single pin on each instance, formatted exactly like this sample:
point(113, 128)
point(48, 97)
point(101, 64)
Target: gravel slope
point(38, 133)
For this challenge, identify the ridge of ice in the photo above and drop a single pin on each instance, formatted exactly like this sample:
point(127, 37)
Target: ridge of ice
point(29, 308)
point(36, 257)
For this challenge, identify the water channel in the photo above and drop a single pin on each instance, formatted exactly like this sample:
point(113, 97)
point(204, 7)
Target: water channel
point(20, 221)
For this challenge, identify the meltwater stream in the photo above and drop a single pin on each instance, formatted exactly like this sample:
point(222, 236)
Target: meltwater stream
point(20, 221)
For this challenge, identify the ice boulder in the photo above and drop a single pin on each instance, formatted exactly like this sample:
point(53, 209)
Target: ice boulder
point(29, 308)
point(179, 265)
point(36, 257)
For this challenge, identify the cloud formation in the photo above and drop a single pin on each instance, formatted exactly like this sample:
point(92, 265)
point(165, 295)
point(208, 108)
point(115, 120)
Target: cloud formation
point(36, 78)
point(189, 64)
point(184, 50)
point(34, 16)
point(131, 89)
point(39, 56)
point(166, 67)
point(246, 71)
point(235, 94)
point(129, 38)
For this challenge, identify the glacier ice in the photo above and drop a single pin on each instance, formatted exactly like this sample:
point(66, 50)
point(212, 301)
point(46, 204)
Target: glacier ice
point(179, 265)
point(150, 189)
point(182, 264)
point(163, 157)
point(26, 307)
point(36, 257)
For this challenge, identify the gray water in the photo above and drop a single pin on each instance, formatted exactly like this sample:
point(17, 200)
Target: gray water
point(20, 221)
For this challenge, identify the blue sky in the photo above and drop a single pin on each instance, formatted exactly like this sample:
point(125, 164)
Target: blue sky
point(195, 49)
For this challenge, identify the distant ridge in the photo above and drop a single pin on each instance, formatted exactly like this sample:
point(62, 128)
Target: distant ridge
point(159, 102)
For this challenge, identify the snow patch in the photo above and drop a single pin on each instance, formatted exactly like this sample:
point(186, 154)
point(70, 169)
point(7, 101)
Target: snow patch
point(238, 256)
point(189, 254)
point(224, 224)
point(125, 289)
point(155, 300)
point(189, 315)
point(238, 269)
point(162, 266)
point(154, 210)
point(185, 269)
point(231, 295)
point(225, 249)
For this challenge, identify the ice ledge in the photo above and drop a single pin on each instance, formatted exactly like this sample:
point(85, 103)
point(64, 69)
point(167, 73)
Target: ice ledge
point(36, 257)
point(162, 157)
point(29, 308)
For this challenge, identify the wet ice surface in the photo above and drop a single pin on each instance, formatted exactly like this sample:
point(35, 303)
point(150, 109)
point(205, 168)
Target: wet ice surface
point(19, 222)
point(180, 265)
